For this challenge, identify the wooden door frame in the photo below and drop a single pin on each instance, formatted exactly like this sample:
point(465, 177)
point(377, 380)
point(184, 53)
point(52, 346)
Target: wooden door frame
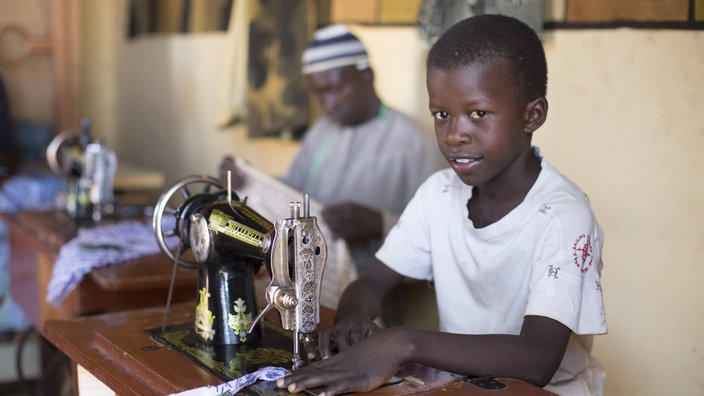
point(64, 47)
point(66, 43)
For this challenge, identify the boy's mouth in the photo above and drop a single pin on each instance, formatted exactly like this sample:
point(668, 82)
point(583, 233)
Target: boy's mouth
point(463, 160)
point(461, 164)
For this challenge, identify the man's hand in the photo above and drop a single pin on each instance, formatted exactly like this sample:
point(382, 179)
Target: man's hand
point(363, 367)
point(238, 177)
point(353, 222)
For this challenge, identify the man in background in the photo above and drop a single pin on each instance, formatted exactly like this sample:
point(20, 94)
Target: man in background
point(362, 159)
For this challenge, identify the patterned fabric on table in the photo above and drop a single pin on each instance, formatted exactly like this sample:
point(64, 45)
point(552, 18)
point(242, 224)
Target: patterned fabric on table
point(96, 247)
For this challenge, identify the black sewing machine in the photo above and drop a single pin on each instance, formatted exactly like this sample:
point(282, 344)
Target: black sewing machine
point(201, 225)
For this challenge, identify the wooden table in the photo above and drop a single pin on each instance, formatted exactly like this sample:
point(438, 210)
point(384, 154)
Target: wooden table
point(117, 350)
point(35, 240)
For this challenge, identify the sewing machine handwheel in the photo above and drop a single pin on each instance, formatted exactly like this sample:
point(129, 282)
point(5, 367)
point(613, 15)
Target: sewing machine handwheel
point(169, 204)
point(60, 147)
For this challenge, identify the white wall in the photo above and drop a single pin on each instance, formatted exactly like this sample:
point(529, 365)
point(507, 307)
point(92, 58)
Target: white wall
point(626, 122)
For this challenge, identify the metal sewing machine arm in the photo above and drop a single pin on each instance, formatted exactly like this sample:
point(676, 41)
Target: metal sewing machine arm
point(297, 259)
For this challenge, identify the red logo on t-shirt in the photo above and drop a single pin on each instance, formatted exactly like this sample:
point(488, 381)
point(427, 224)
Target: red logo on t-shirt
point(582, 251)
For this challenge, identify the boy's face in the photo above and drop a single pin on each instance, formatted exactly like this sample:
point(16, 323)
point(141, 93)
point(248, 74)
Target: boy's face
point(342, 93)
point(482, 126)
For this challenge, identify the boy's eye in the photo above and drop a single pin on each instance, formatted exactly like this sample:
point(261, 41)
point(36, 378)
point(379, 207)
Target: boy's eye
point(440, 115)
point(477, 114)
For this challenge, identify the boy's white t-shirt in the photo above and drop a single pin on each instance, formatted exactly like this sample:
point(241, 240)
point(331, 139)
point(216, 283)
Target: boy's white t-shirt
point(542, 258)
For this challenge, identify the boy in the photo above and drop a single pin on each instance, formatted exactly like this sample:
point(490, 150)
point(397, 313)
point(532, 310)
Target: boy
point(512, 246)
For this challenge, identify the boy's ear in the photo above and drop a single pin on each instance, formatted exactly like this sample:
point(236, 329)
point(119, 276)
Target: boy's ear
point(536, 114)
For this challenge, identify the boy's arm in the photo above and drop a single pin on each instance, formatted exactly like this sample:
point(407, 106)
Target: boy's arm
point(533, 356)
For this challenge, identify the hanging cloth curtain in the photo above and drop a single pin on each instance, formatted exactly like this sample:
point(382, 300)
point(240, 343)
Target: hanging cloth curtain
point(234, 95)
point(277, 98)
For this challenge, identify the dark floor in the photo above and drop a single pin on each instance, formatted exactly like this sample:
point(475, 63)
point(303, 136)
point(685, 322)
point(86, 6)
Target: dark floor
point(12, 388)
point(17, 389)
point(38, 388)
point(55, 377)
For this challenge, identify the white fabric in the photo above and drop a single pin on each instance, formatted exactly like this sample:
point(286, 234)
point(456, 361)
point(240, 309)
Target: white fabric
point(543, 258)
point(270, 198)
point(378, 164)
point(268, 373)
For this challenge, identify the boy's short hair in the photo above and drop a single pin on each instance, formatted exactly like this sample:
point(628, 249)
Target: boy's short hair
point(486, 38)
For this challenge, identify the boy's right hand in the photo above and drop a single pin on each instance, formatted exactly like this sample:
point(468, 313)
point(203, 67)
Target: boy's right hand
point(347, 332)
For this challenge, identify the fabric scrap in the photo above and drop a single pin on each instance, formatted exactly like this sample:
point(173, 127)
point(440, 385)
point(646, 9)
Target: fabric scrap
point(269, 373)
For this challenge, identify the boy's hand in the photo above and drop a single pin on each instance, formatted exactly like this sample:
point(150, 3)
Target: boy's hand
point(365, 366)
point(346, 333)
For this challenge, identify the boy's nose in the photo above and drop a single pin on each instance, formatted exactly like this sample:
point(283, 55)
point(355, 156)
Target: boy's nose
point(458, 133)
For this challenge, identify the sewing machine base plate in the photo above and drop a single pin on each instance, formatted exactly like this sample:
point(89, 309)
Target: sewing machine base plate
point(232, 361)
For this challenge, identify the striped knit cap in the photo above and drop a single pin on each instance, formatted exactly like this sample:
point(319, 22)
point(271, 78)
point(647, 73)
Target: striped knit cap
point(334, 46)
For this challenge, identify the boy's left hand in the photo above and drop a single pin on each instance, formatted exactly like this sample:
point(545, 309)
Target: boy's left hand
point(363, 367)
point(347, 332)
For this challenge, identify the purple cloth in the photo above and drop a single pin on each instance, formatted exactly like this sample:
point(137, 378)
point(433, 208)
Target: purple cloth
point(96, 247)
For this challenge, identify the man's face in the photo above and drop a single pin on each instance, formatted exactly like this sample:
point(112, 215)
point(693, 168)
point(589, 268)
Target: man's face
point(342, 93)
